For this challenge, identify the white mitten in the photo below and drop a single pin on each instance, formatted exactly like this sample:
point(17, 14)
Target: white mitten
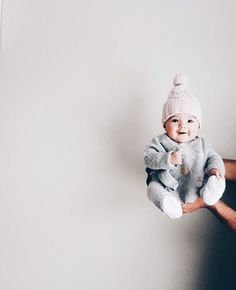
point(171, 206)
point(213, 190)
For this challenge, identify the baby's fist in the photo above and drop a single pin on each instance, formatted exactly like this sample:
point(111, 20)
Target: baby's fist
point(176, 157)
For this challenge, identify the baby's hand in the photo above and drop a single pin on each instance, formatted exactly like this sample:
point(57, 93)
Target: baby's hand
point(216, 172)
point(176, 157)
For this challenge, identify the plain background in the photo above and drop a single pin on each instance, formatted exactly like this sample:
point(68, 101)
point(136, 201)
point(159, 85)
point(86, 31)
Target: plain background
point(82, 84)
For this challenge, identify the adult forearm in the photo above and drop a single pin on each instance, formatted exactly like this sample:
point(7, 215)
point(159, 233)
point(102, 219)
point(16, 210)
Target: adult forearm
point(221, 210)
point(224, 213)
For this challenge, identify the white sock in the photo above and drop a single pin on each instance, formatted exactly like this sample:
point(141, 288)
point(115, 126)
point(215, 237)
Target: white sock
point(213, 190)
point(171, 206)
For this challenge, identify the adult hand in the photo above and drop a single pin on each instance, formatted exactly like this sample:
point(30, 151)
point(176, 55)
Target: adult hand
point(193, 206)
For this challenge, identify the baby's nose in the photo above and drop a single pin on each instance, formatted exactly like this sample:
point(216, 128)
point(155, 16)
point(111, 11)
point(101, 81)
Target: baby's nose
point(183, 125)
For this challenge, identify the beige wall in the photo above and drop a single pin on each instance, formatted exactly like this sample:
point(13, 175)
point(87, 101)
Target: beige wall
point(82, 84)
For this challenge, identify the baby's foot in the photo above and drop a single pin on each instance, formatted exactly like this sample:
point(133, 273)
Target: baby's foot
point(213, 190)
point(172, 207)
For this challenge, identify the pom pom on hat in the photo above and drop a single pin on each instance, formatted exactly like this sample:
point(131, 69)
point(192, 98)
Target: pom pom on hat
point(181, 100)
point(180, 79)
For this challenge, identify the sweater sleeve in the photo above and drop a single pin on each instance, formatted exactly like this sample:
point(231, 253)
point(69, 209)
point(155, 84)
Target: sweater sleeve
point(156, 157)
point(214, 160)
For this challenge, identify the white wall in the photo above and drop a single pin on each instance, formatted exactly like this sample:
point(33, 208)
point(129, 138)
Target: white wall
point(82, 84)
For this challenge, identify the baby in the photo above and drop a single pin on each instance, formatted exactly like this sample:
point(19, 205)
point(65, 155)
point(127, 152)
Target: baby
point(180, 165)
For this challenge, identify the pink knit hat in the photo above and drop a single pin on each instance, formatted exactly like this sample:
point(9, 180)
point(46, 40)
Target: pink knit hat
point(181, 100)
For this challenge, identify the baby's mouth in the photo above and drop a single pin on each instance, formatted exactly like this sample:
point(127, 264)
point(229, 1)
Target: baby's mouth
point(182, 133)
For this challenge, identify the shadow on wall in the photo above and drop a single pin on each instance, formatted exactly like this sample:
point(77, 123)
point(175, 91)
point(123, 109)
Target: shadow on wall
point(218, 269)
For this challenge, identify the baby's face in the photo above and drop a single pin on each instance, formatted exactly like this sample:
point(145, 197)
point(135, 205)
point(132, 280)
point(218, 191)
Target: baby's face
point(182, 127)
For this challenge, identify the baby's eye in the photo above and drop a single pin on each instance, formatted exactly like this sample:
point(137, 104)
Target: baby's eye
point(174, 120)
point(190, 121)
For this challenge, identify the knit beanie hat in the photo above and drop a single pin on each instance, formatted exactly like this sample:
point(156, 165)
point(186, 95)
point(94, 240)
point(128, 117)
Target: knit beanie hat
point(181, 100)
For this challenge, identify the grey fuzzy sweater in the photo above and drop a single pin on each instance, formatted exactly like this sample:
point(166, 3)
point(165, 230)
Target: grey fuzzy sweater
point(188, 178)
